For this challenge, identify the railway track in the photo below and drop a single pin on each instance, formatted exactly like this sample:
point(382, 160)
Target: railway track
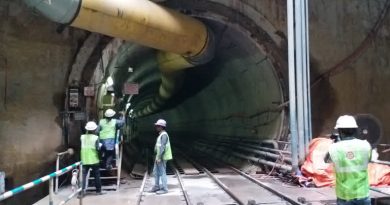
point(177, 196)
point(204, 182)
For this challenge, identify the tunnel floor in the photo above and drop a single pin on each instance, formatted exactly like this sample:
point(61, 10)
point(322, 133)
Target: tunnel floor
point(208, 194)
point(198, 181)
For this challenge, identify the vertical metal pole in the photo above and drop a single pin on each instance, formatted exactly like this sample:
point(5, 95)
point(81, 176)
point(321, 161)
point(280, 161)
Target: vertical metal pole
point(310, 133)
point(51, 187)
point(299, 73)
point(292, 89)
point(57, 168)
point(81, 184)
point(304, 77)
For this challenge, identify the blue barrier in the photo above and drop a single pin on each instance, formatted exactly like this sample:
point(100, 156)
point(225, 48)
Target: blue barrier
point(36, 182)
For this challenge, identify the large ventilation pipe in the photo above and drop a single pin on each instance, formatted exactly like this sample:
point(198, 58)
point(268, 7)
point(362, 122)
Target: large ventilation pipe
point(186, 42)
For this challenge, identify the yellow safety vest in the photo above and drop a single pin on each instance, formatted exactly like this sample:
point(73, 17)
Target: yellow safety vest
point(89, 154)
point(350, 158)
point(107, 129)
point(167, 155)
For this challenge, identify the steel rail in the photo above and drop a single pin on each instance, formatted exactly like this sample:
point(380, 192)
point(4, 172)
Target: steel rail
point(274, 191)
point(141, 190)
point(185, 194)
point(216, 180)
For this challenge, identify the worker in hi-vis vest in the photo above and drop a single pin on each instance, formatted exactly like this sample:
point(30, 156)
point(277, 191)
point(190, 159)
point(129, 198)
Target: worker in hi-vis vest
point(89, 156)
point(350, 157)
point(107, 131)
point(163, 153)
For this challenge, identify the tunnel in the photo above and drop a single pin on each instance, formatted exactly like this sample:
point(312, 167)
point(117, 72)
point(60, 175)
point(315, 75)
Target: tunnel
point(221, 106)
point(238, 94)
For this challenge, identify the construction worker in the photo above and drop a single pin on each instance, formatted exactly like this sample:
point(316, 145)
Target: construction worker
point(89, 156)
point(107, 132)
point(350, 157)
point(163, 153)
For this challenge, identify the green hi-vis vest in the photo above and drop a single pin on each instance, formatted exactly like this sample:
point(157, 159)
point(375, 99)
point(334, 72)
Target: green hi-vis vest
point(89, 154)
point(167, 155)
point(350, 158)
point(107, 129)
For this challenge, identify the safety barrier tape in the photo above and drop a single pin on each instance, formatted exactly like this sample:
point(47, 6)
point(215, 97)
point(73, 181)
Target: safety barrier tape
point(37, 181)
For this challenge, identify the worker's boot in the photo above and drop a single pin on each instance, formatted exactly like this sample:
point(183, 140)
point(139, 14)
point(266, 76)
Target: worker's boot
point(162, 191)
point(101, 193)
point(154, 189)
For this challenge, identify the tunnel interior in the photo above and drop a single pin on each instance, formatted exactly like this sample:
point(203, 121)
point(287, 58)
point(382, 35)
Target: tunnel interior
point(238, 95)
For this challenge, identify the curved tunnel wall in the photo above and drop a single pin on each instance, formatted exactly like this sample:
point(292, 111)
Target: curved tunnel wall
point(241, 88)
point(361, 88)
point(241, 100)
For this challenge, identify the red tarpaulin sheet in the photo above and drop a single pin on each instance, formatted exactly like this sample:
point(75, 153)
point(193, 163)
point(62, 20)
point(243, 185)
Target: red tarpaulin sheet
point(321, 173)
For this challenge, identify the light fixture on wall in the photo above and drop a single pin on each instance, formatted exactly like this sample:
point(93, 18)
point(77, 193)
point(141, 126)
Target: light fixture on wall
point(128, 105)
point(109, 81)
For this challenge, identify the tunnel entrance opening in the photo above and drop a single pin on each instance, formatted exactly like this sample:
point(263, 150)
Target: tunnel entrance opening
point(239, 95)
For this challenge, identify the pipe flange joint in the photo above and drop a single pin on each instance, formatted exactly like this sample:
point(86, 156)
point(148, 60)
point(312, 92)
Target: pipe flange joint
point(207, 53)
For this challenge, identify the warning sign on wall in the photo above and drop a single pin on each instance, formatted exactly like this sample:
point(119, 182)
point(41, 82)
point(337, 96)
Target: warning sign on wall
point(130, 88)
point(89, 91)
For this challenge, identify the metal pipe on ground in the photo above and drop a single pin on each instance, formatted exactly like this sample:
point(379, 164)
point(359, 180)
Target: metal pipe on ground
point(253, 159)
point(264, 162)
point(266, 154)
point(277, 151)
point(258, 152)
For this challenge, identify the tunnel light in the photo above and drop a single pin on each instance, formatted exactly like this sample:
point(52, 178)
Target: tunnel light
point(109, 81)
point(131, 113)
point(128, 105)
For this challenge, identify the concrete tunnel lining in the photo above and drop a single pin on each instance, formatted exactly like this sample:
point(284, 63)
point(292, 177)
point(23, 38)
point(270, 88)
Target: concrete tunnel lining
point(215, 99)
point(231, 86)
point(332, 38)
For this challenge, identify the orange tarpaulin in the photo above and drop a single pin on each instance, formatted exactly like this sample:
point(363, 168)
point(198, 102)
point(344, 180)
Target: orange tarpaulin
point(316, 169)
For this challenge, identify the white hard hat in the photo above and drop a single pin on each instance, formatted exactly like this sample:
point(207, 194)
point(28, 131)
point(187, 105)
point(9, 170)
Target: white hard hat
point(346, 121)
point(109, 113)
point(91, 125)
point(161, 122)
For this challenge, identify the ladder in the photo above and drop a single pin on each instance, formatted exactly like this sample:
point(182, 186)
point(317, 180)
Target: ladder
point(110, 179)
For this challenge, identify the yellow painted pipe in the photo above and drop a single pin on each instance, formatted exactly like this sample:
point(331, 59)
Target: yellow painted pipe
point(144, 22)
point(185, 41)
point(170, 65)
point(180, 37)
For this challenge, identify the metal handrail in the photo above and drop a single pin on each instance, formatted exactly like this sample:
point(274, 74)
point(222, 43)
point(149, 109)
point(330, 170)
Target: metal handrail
point(70, 151)
point(36, 182)
point(119, 153)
